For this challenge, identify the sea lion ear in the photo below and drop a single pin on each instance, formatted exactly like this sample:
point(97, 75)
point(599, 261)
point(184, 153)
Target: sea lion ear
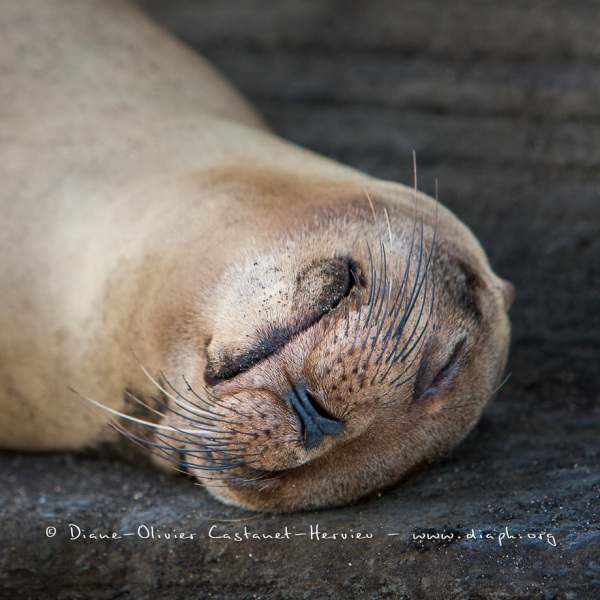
point(508, 292)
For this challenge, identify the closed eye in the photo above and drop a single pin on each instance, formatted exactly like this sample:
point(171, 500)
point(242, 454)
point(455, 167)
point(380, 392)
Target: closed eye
point(424, 389)
point(337, 276)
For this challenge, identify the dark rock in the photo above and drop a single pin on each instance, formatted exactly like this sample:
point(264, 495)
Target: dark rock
point(500, 101)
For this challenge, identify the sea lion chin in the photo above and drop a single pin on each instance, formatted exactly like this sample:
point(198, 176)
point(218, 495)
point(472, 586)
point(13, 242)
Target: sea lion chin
point(292, 333)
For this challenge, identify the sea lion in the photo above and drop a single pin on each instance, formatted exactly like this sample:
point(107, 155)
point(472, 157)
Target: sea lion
point(291, 332)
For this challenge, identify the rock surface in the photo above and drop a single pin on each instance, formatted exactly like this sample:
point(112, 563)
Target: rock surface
point(501, 103)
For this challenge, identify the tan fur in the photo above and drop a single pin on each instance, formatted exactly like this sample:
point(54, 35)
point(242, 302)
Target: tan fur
point(149, 215)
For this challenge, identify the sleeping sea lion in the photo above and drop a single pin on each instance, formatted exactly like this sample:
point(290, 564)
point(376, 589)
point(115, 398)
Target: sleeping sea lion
point(289, 331)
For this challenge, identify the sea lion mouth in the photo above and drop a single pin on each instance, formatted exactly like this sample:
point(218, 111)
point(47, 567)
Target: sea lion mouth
point(318, 289)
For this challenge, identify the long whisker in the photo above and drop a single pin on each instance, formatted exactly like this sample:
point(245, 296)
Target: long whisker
point(140, 421)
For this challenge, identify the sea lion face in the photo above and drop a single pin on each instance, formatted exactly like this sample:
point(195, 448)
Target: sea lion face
point(364, 341)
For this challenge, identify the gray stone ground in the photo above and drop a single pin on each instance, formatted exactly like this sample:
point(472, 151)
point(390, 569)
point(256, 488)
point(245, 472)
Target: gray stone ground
point(501, 101)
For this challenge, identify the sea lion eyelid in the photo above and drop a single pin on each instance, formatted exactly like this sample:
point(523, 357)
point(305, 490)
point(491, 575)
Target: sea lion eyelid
point(356, 274)
point(271, 339)
point(446, 373)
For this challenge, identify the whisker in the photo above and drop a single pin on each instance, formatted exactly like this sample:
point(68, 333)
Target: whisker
point(389, 228)
point(380, 306)
point(139, 421)
point(191, 407)
point(501, 385)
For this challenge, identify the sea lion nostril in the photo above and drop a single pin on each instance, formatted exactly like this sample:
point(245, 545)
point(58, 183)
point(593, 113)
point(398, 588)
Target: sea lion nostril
point(315, 420)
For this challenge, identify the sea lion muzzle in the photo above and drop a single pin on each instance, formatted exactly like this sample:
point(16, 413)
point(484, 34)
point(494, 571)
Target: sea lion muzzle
point(316, 422)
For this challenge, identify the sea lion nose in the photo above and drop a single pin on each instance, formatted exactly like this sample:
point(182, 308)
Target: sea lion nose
point(315, 420)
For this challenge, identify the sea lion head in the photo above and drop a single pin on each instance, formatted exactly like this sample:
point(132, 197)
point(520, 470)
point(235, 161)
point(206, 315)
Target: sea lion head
point(362, 340)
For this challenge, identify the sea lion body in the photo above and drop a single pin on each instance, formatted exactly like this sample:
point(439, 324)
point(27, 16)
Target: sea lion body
point(159, 242)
